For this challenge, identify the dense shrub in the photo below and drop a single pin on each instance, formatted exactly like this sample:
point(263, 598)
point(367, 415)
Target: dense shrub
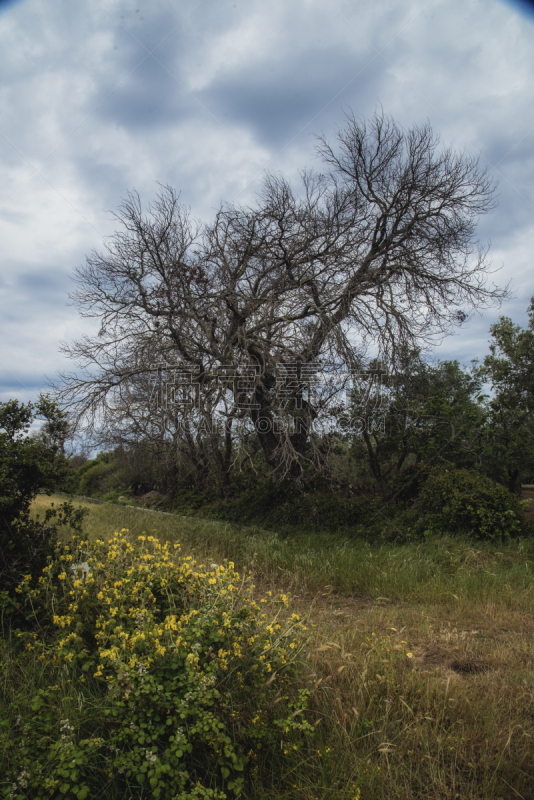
point(277, 506)
point(406, 486)
point(26, 545)
point(102, 476)
point(464, 501)
point(195, 682)
point(28, 464)
point(444, 501)
point(190, 500)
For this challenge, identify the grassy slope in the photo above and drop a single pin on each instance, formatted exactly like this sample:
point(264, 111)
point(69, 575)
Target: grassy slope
point(455, 720)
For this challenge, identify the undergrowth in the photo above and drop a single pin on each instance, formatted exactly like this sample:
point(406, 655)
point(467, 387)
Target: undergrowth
point(416, 670)
point(191, 676)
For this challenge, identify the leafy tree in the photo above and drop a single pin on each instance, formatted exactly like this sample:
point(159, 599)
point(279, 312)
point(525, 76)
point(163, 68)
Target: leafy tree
point(27, 465)
point(419, 416)
point(510, 427)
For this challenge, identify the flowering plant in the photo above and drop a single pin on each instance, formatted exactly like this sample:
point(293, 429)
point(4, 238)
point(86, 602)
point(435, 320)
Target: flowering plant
point(194, 676)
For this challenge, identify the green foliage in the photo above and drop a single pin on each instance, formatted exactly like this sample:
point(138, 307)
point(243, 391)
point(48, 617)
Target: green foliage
point(101, 476)
point(26, 546)
point(509, 439)
point(190, 500)
point(427, 412)
point(115, 495)
point(443, 501)
point(94, 480)
point(461, 501)
point(195, 685)
point(279, 506)
point(415, 506)
point(406, 486)
point(28, 464)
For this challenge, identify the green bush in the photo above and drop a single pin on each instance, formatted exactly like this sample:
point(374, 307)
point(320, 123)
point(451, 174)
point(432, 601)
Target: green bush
point(194, 683)
point(121, 493)
point(279, 506)
point(26, 546)
point(406, 486)
point(98, 477)
point(190, 500)
point(28, 464)
point(462, 501)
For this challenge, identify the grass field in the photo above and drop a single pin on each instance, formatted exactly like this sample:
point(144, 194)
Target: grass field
point(451, 717)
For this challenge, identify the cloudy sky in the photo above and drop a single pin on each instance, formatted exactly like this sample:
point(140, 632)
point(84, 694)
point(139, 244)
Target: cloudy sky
point(100, 97)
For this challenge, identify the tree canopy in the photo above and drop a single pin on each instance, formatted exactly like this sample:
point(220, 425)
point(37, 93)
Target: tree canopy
point(379, 248)
point(509, 367)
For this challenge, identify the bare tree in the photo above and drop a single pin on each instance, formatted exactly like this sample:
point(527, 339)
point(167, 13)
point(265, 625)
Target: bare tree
point(151, 426)
point(380, 249)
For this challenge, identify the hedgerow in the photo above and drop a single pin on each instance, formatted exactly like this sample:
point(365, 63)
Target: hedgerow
point(193, 680)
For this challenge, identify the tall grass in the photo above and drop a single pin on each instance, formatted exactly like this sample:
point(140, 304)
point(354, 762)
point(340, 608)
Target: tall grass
point(454, 718)
point(436, 571)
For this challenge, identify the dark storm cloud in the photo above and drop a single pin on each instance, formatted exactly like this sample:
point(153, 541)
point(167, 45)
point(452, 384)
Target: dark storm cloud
point(148, 99)
point(277, 101)
point(274, 98)
point(24, 384)
point(515, 197)
point(45, 282)
point(103, 97)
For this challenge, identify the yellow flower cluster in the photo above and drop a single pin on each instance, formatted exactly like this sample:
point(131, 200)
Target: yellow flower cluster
point(142, 600)
point(189, 658)
point(23, 585)
point(185, 649)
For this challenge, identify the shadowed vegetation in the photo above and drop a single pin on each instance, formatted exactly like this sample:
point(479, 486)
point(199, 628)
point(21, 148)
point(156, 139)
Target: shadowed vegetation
point(419, 660)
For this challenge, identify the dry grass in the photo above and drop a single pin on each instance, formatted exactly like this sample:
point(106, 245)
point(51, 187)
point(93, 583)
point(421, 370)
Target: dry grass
point(456, 720)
